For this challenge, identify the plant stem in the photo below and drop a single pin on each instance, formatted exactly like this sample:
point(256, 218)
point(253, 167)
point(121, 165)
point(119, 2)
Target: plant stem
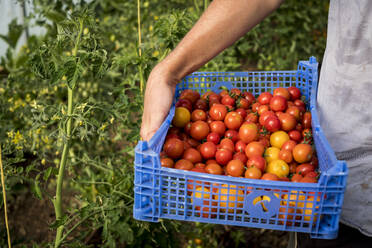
point(206, 2)
point(66, 147)
point(139, 45)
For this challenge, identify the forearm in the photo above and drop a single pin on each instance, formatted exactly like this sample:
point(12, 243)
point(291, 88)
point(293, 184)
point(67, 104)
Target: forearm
point(224, 22)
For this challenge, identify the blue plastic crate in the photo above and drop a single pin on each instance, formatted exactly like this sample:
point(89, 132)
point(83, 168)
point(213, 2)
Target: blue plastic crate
point(168, 193)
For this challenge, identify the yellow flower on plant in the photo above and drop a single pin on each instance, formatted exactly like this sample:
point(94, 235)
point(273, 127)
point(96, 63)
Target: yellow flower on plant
point(16, 138)
point(43, 161)
point(155, 53)
point(2, 90)
point(112, 37)
point(86, 30)
point(156, 17)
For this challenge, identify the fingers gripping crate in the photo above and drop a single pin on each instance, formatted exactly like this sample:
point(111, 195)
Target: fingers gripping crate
point(168, 193)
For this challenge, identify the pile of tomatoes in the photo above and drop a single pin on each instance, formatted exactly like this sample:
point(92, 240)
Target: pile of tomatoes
point(233, 133)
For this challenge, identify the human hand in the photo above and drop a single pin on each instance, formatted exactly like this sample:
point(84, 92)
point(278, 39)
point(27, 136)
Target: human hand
point(159, 95)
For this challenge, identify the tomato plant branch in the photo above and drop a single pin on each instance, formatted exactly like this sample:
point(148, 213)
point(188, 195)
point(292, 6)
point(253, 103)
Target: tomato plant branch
point(58, 198)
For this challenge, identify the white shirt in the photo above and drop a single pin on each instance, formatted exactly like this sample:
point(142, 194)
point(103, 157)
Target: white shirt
point(345, 103)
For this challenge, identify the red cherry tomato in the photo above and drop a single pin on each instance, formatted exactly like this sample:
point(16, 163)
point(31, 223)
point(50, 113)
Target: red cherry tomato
point(198, 115)
point(264, 116)
point(174, 148)
point(294, 92)
point(278, 103)
point(218, 112)
point(272, 123)
point(232, 134)
point(235, 168)
point(289, 145)
point(208, 150)
point(255, 106)
point(248, 132)
point(282, 92)
point(167, 162)
point(214, 169)
point(186, 103)
point(296, 178)
point(264, 98)
point(217, 127)
point(213, 137)
point(242, 112)
point(240, 146)
point(270, 176)
point(306, 120)
point(192, 155)
point(295, 112)
point(250, 97)
point(201, 104)
point(257, 161)
point(254, 148)
point(252, 117)
point(228, 100)
point(223, 156)
point(287, 121)
point(262, 109)
point(295, 135)
point(227, 143)
point(241, 156)
point(199, 130)
point(243, 103)
point(304, 169)
point(183, 164)
point(191, 95)
point(253, 173)
point(233, 120)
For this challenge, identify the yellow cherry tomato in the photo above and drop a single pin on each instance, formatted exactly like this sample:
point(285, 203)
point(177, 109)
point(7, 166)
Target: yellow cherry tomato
point(271, 154)
point(278, 167)
point(278, 138)
point(181, 117)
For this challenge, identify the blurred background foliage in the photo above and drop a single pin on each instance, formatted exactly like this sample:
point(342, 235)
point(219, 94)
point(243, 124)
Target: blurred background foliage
point(98, 188)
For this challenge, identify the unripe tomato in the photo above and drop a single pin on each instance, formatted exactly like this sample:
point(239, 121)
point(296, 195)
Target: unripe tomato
point(181, 117)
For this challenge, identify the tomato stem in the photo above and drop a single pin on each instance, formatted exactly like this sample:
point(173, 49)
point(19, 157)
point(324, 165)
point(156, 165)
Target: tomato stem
point(57, 201)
